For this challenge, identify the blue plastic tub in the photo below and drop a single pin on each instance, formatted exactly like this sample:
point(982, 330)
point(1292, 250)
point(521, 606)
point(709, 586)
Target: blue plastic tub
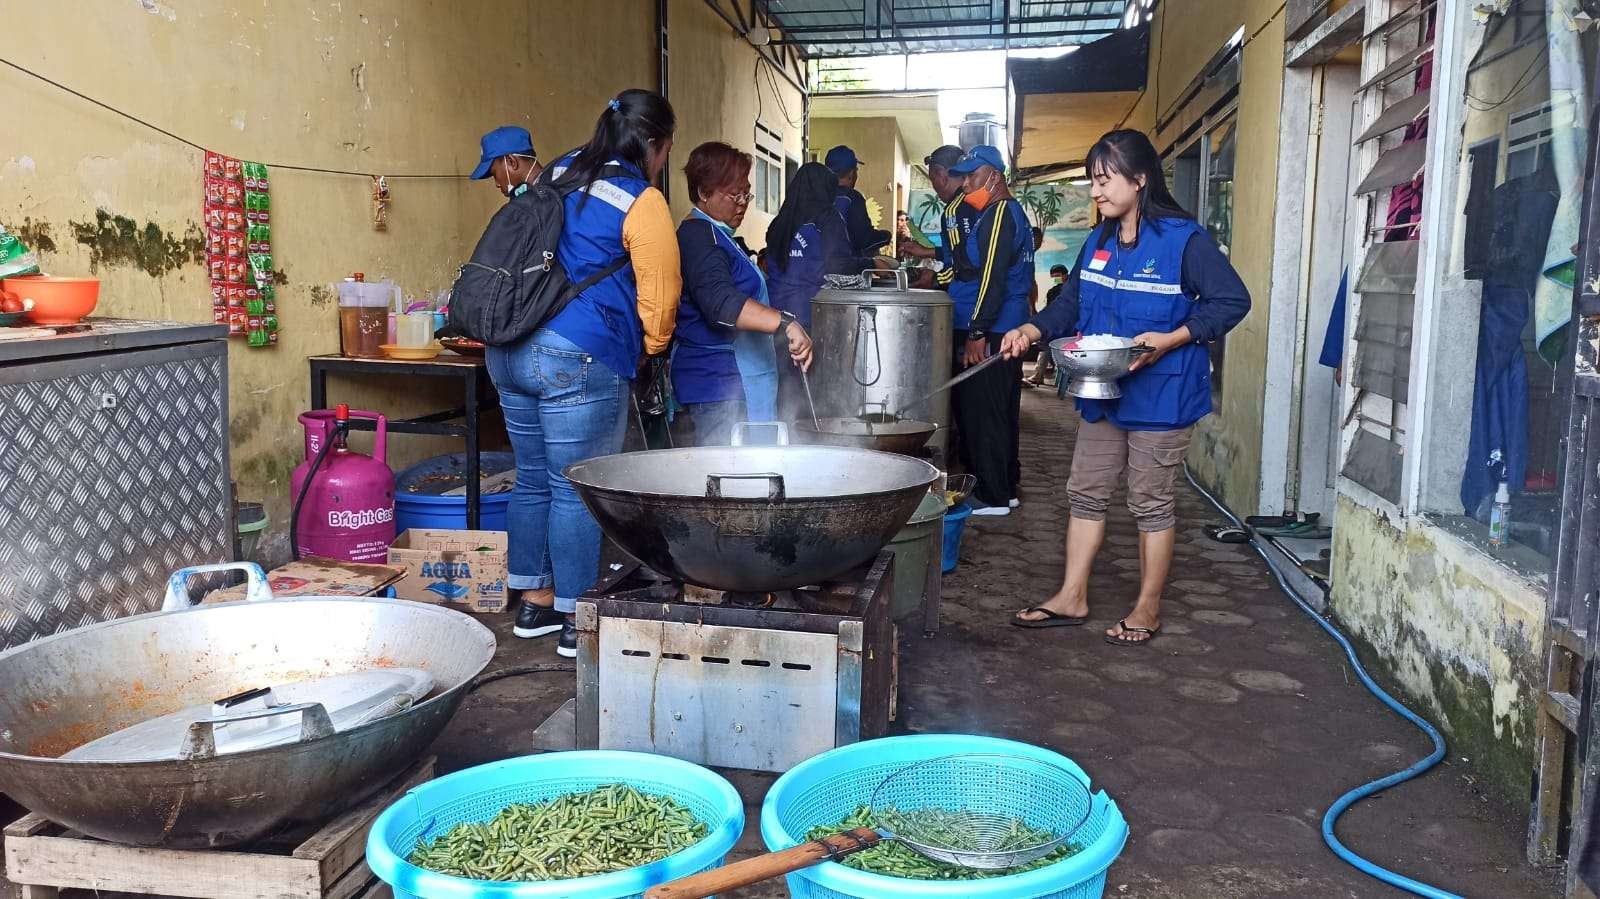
point(478, 794)
point(425, 509)
point(955, 521)
point(825, 789)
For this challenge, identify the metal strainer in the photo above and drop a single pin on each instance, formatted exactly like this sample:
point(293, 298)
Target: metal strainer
point(982, 811)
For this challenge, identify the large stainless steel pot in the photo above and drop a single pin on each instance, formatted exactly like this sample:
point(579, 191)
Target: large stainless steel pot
point(62, 691)
point(898, 436)
point(883, 348)
point(752, 518)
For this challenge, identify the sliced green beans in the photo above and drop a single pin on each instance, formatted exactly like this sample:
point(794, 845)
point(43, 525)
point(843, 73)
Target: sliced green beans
point(606, 829)
point(935, 827)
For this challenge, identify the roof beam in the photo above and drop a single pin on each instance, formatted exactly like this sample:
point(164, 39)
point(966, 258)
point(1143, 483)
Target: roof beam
point(938, 38)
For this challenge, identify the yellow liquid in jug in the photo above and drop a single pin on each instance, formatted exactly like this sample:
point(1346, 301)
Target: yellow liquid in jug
point(363, 330)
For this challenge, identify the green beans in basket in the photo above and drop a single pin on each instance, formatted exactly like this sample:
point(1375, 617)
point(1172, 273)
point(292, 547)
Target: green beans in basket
point(896, 859)
point(609, 828)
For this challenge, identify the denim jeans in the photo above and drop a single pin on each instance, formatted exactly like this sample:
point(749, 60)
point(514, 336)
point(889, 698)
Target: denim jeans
point(561, 406)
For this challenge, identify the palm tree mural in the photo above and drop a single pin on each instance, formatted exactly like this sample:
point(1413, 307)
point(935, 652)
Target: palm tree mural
point(1044, 202)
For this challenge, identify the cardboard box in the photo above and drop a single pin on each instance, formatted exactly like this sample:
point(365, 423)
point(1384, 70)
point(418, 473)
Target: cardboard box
point(462, 569)
point(313, 576)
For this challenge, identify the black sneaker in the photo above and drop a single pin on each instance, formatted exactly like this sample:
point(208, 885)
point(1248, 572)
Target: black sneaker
point(567, 646)
point(536, 621)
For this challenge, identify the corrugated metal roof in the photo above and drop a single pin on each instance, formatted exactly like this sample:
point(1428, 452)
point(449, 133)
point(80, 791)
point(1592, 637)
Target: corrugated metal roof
point(869, 27)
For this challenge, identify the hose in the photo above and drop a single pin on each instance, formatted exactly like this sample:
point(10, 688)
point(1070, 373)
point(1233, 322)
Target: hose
point(339, 428)
point(518, 671)
point(1343, 803)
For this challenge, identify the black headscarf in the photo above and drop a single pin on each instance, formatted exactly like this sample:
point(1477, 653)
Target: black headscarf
point(811, 195)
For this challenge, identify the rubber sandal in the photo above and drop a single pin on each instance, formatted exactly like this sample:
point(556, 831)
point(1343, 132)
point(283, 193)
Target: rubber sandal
point(1123, 625)
point(1227, 533)
point(1050, 619)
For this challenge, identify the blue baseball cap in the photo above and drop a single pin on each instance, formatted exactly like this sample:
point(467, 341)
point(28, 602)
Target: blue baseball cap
point(841, 159)
point(976, 158)
point(507, 140)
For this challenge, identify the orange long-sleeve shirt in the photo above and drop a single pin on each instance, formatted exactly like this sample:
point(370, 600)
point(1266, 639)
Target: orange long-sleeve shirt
point(651, 239)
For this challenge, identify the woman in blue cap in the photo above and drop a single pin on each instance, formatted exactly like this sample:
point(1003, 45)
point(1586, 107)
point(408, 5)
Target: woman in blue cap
point(724, 362)
point(1153, 274)
point(564, 389)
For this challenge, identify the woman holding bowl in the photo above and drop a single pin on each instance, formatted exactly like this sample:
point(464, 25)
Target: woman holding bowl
point(1148, 272)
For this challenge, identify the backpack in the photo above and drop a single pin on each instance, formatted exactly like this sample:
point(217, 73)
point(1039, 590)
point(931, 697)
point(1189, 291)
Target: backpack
point(514, 282)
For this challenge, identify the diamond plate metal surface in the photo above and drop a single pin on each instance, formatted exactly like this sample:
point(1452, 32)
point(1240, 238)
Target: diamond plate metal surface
point(113, 473)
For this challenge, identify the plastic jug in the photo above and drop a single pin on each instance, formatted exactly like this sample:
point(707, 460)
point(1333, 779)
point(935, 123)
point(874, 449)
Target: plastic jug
point(414, 329)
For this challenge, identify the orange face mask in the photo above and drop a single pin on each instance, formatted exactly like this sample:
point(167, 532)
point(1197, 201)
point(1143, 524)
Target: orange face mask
point(982, 197)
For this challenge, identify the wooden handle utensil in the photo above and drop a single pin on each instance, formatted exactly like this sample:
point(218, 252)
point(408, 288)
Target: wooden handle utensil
point(765, 867)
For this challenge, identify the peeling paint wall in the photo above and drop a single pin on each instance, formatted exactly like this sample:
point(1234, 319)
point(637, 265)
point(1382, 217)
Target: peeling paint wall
point(877, 141)
point(1460, 636)
point(404, 87)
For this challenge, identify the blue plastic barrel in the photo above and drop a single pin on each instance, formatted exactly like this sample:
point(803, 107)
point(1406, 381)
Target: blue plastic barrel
point(417, 503)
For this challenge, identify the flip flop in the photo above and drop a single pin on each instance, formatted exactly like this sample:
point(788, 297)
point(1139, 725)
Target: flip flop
point(1123, 625)
point(1227, 533)
point(1050, 619)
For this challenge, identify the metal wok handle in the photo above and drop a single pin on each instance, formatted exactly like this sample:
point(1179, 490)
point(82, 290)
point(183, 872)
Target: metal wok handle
point(201, 740)
point(775, 491)
point(177, 598)
point(901, 282)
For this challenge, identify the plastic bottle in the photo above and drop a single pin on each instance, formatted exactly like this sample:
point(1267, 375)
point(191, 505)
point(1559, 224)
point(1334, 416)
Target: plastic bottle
point(1500, 516)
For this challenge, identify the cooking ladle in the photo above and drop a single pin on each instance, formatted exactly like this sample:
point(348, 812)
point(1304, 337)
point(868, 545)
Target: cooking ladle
point(972, 370)
point(805, 380)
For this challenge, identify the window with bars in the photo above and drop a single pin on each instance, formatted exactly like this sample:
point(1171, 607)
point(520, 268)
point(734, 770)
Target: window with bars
point(768, 175)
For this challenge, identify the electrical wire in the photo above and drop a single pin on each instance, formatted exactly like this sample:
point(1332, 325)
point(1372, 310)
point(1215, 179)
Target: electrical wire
point(485, 680)
point(189, 143)
point(1343, 803)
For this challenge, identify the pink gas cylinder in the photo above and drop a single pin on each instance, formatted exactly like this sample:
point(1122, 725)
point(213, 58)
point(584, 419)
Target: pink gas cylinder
point(346, 511)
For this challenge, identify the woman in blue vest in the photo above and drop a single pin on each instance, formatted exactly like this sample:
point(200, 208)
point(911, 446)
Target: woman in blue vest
point(724, 362)
point(564, 389)
point(1149, 272)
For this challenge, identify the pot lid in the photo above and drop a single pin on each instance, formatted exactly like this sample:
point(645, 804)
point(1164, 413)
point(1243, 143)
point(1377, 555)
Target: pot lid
point(883, 296)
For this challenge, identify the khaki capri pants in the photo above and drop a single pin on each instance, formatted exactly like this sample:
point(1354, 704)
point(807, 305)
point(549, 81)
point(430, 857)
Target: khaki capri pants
point(1152, 460)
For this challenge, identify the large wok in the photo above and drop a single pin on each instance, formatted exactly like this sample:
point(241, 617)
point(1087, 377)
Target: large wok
point(62, 691)
point(903, 435)
point(752, 518)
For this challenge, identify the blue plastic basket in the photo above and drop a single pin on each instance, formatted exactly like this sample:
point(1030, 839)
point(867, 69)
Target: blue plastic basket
point(422, 510)
point(478, 794)
point(955, 521)
point(825, 789)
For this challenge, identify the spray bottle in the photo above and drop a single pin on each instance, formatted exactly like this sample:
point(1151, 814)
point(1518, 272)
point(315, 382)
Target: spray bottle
point(1500, 516)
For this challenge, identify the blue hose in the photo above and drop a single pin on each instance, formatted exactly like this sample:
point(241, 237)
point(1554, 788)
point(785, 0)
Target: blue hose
point(1331, 818)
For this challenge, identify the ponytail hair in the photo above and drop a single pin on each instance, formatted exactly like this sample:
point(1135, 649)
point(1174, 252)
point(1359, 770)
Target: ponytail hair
point(624, 132)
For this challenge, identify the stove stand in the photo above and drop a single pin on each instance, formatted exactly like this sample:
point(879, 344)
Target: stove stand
point(758, 683)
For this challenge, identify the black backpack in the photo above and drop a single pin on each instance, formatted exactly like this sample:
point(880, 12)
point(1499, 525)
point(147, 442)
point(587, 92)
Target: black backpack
point(514, 283)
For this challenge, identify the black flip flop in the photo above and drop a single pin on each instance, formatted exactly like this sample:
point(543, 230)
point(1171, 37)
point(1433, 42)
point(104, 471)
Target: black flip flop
point(1227, 533)
point(1050, 619)
point(1128, 629)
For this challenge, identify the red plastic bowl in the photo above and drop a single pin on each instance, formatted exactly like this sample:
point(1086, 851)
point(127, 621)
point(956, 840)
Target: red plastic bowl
point(56, 301)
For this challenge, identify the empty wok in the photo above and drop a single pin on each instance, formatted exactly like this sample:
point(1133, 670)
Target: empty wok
point(899, 436)
point(62, 691)
point(752, 518)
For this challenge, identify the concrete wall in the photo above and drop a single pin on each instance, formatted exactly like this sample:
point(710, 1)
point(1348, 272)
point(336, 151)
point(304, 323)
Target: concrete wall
point(877, 142)
point(325, 84)
point(1227, 448)
point(1454, 630)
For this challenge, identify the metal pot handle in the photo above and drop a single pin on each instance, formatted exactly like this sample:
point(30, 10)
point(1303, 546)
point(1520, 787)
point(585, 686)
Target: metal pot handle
point(201, 740)
point(743, 430)
point(256, 586)
point(866, 322)
point(775, 491)
point(901, 282)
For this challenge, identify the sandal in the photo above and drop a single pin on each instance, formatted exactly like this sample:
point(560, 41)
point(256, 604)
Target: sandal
point(1050, 619)
point(1125, 628)
point(1282, 521)
point(1227, 533)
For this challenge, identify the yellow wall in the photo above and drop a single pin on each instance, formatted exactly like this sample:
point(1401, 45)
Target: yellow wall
point(877, 142)
point(323, 84)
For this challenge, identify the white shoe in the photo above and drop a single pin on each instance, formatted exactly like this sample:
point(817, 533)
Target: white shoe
point(981, 508)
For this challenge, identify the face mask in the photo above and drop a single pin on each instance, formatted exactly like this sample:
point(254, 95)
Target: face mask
point(1058, 279)
point(517, 190)
point(982, 197)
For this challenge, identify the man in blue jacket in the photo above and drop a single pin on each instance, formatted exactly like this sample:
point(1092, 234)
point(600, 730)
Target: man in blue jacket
point(865, 240)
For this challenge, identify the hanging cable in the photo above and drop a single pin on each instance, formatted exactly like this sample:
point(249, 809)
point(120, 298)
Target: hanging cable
point(189, 143)
point(1340, 805)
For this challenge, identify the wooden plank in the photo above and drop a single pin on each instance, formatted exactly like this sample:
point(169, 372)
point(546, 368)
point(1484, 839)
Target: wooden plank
point(1563, 707)
point(342, 843)
point(28, 825)
point(33, 892)
point(354, 883)
point(378, 890)
point(1566, 637)
point(89, 864)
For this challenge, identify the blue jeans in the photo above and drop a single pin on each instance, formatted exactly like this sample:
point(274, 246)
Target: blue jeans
point(561, 406)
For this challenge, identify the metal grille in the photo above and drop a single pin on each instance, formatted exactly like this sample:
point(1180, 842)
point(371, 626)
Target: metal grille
point(116, 474)
point(867, 27)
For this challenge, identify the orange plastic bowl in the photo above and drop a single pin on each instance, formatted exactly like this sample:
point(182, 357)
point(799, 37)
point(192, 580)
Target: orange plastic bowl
point(56, 301)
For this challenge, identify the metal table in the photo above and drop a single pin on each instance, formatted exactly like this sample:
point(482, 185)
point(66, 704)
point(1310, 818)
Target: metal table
point(477, 394)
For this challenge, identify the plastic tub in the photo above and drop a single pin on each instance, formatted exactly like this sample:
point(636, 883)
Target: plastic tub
point(955, 521)
point(830, 786)
point(426, 508)
point(478, 794)
point(253, 520)
point(913, 550)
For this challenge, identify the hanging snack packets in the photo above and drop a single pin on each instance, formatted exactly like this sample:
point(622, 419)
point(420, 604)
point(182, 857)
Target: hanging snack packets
point(237, 212)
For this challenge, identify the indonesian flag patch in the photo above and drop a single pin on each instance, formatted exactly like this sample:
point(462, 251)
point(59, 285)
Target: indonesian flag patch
point(1101, 257)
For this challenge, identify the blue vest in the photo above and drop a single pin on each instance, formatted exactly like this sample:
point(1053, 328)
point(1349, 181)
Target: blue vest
point(603, 320)
point(1128, 292)
point(956, 225)
point(703, 366)
point(1018, 274)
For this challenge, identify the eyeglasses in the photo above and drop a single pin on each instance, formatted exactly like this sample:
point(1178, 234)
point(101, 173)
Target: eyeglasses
point(740, 199)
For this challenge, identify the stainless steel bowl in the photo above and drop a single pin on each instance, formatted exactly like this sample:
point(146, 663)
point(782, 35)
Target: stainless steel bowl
point(1093, 374)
